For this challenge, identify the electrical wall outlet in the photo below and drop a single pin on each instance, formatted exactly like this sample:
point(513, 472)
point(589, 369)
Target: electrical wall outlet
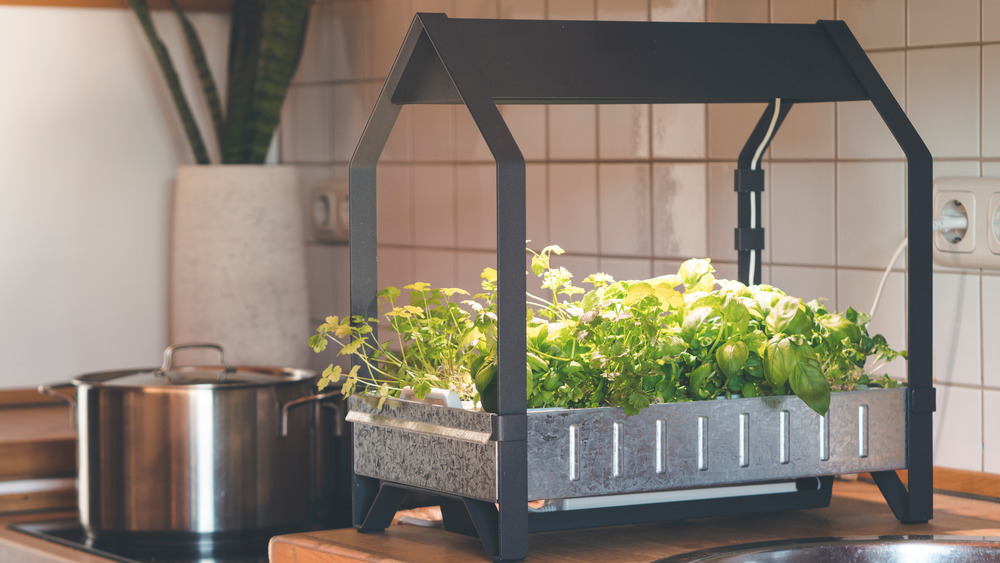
point(978, 200)
point(329, 211)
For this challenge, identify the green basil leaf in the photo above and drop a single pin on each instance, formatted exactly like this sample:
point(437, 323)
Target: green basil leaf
point(672, 344)
point(693, 321)
point(779, 361)
point(836, 329)
point(731, 357)
point(788, 316)
point(696, 275)
point(807, 380)
point(736, 314)
point(698, 379)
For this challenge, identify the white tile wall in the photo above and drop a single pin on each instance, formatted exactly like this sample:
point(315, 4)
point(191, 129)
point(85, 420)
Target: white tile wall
point(573, 132)
point(677, 10)
point(806, 133)
point(528, 125)
point(932, 22)
point(623, 10)
point(571, 10)
point(807, 283)
point(801, 11)
point(991, 431)
point(956, 329)
point(436, 267)
point(627, 268)
point(624, 131)
point(679, 131)
point(991, 331)
point(433, 132)
point(833, 210)
point(878, 24)
point(395, 200)
point(861, 133)
point(348, 39)
point(801, 225)
point(390, 20)
point(729, 125)
point(679, 209)
point(433, 207)
point(537, 203)
point(476, 206)
point(352, 104)
point(991, 20)
point(871, 212)
point(744, 11)
point(991, 100)
point(522, 9)
point(943, 99)
point(624, 210)
point(307, 132)
point(958, 428)
point(395, 267)
point(573, 207)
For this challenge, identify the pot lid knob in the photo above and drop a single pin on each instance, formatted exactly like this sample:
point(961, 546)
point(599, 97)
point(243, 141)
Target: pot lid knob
point(169, 353)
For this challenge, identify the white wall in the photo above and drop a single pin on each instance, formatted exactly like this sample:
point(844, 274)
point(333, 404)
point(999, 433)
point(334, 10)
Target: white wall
point(89, 142)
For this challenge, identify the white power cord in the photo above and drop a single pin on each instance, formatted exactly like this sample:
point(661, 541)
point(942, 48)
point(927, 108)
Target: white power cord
point(885, 275)
point(753, 197)
point(940, 224)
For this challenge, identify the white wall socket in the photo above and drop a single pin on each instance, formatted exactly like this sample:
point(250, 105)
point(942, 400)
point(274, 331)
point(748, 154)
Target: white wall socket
point(329, 211)
point(978, 199)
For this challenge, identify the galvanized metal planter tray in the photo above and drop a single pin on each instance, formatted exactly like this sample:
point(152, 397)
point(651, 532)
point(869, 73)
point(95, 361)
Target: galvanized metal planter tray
point(588, 452)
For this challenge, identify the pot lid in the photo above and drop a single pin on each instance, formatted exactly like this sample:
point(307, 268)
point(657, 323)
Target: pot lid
point(194, 376)
point(220, 376)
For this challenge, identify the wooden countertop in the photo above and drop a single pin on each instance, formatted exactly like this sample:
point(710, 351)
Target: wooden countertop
point(38, 449)
point(857, 509)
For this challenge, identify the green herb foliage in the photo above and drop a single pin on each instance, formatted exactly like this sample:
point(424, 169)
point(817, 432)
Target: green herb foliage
point(682, 337)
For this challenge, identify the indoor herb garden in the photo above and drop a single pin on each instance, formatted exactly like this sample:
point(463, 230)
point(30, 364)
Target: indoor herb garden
point(681, 337)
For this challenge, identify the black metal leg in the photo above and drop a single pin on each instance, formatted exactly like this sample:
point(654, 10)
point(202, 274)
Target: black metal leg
point(485, 518)
point(381, 508)
point(898, 498)
point(456, 517)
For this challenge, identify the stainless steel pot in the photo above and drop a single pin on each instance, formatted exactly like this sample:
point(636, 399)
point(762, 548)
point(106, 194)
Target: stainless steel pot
point(194, 452)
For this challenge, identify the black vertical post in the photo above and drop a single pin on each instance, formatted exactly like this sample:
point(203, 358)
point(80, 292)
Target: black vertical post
point(749, 184)
point(363, 229)
point(512, 454)
point(918, 505)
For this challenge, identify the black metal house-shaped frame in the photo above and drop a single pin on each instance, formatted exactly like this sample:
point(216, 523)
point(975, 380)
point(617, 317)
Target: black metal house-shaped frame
point(480, 63)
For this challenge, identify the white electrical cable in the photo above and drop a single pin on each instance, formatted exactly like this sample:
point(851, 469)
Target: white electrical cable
point(753, 197)
point(943, 223)
point(885, 275)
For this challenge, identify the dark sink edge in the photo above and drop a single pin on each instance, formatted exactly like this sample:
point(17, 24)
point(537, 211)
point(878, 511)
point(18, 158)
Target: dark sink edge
point(708, 554)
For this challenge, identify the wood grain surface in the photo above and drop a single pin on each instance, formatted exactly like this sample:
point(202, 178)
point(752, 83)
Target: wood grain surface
point(857, 509)
point(37, 442)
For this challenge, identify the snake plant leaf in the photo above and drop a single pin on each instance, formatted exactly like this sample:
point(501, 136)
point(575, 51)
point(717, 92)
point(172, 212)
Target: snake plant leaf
point(266, 44)
point(204, 72)
point(141, 10)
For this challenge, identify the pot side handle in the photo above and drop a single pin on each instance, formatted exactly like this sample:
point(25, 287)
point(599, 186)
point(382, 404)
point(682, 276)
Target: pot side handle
point(301, 401)
point(51, 389)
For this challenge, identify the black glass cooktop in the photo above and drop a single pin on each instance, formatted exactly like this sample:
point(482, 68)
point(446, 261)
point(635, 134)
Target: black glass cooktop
point(69, 533)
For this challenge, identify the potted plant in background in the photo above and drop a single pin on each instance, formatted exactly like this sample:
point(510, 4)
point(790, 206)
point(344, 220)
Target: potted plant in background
point(237, 257)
